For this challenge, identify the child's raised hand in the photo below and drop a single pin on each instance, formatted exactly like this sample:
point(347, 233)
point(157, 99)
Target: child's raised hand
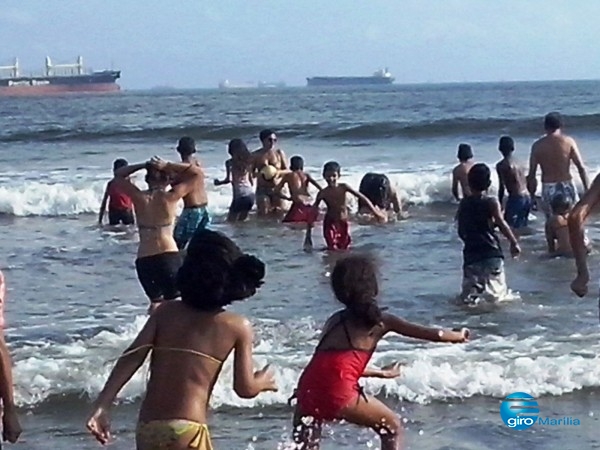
point(391, 370)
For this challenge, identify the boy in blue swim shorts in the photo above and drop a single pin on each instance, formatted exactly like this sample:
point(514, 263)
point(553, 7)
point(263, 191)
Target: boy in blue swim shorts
point(194, 215)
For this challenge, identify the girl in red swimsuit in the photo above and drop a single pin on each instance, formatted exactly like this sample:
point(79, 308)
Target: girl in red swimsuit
point(328, 388)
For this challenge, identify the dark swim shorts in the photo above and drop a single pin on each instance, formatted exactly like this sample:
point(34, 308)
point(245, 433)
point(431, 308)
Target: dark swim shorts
point(517, 211)
point(118, 216)
point(242, 204)
point(157, 275)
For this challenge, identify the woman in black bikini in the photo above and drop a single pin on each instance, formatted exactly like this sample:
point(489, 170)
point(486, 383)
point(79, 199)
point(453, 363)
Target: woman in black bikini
point(158, 258)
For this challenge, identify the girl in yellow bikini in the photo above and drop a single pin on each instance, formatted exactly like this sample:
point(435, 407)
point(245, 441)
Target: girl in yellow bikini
point(189, 341)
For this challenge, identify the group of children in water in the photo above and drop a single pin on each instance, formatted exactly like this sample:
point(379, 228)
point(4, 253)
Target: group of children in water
point(190, 339)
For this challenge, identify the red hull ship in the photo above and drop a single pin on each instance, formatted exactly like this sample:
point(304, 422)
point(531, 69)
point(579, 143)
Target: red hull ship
point(57, 80)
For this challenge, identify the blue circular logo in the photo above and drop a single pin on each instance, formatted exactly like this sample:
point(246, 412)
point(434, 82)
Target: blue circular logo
point(519, 411)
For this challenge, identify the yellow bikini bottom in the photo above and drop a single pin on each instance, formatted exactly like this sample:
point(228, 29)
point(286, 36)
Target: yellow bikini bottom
point(167, 434)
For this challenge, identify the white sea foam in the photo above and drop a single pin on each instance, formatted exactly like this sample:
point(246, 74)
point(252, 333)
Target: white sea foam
point(55, 195)
point(37, 198)
point(491, 366)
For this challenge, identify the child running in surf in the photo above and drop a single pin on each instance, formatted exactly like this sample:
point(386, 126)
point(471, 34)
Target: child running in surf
point(328, 389)
point(336, 229)
point(483, 260)
point(297, 182)
point(120, 205)
point(239, 173)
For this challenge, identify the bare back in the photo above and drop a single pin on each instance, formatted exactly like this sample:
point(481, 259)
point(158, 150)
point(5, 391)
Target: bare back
point(460, 175)
point(554, 153)
point(186, 361)
point(513, 176)
point(298, 185)
point(197, 195)
point(155, 212)
point(333, 336)
point(240, 172)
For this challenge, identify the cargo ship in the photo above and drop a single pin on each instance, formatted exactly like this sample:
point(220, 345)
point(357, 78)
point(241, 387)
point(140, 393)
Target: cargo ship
point(381, 77)
point(56, 79)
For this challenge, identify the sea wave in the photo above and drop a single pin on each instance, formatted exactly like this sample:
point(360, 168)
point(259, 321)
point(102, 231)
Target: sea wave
point(492, 366)
point(36, 198)
point(453, 126)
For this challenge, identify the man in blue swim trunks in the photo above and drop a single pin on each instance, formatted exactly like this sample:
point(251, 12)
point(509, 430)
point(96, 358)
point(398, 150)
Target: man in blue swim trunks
point(194, 215)
point(511, 176)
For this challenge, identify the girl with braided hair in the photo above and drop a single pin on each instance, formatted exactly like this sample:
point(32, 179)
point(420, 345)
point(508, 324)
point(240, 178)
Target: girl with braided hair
point(328, 389)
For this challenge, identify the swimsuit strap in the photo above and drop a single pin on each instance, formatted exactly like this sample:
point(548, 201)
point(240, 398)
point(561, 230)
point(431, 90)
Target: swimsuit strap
point(328, 332)
point(174, 349)
point(193, 352)
point(343, 322)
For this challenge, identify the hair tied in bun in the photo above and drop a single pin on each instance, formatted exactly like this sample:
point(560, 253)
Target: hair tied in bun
point(250, 269)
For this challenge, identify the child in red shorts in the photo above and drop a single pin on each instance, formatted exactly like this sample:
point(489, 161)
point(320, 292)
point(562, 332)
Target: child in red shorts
point(336, 229)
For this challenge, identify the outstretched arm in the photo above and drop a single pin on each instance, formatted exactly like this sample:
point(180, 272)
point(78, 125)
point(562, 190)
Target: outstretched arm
point(389, 371)
point(577, 219)
point(312, 181)
point(405, 328)
point(190, 174)
point(578, 161)
point(246, 382)
point(103, 204)
point(227, 179)
point(124, 184)
point(376, 212)
point(129, 362)
point(125, 171)
point(280, 186)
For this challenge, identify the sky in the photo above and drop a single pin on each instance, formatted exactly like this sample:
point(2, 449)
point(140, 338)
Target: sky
point(198, 43)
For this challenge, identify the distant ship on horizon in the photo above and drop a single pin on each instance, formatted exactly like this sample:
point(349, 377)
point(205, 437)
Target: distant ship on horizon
point(226, 84)
point(56, 79)
point(380, 77)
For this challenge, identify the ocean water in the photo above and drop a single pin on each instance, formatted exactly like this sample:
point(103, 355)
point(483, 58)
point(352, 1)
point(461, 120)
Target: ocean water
point(74, 301)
